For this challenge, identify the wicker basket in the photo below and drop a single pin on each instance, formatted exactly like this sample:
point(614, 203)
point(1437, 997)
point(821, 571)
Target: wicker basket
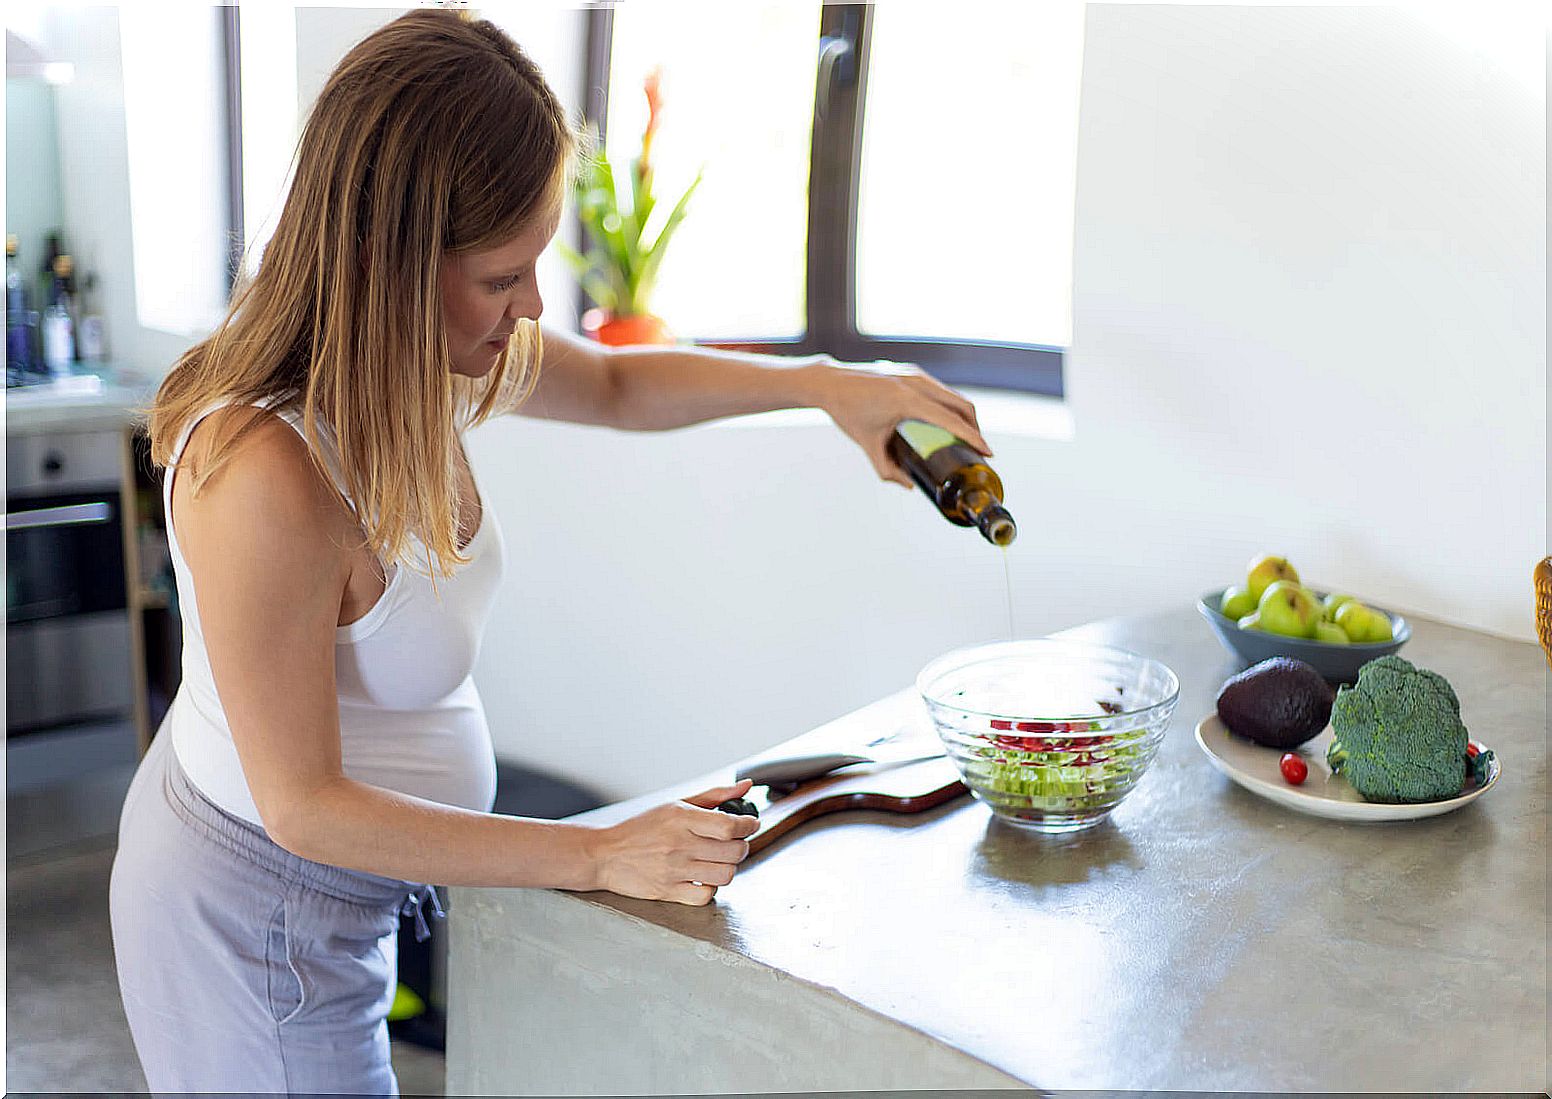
point(1544, 605)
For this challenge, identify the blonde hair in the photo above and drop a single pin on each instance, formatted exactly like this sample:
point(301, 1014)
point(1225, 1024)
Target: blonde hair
point(435, 134)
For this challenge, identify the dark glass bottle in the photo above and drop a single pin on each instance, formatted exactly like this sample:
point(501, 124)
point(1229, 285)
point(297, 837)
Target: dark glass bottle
point(46, 283)
point(955, 477)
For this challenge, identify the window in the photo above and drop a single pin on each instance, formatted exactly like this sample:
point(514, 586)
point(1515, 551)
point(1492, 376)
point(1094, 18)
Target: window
point(989, 168)
point(175, 135)
point(267, 83)
point(735, 269)
point(888, 182)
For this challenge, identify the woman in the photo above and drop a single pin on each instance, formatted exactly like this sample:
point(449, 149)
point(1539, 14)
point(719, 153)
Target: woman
point(327, 750)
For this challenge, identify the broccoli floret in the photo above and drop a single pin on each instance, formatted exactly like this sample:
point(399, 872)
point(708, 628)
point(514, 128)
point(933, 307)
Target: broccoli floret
point(1399, 736)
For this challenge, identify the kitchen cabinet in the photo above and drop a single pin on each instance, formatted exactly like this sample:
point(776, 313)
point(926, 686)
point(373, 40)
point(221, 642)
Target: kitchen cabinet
point(112, 659)
point(1202, 938)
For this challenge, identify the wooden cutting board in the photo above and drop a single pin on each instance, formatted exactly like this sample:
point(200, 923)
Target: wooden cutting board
point(908, 788)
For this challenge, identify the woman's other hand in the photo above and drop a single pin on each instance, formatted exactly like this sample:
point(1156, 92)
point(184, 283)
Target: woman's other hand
point(867, 402)
point(677, 852)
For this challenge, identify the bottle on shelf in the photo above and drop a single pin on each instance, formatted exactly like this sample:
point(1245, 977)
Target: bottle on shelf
point(44, 291)
point(955, 478)
point(90, 342)
point(58, 325)
point(20, 321)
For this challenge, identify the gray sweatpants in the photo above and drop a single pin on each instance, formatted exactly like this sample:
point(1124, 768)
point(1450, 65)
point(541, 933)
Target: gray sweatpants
point(242, 966)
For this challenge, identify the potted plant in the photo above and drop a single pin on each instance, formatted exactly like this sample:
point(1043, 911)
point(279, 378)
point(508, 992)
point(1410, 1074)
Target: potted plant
point(621, 266)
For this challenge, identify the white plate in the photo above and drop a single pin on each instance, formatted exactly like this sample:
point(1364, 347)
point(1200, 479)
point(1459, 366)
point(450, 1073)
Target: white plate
point(1322, 794)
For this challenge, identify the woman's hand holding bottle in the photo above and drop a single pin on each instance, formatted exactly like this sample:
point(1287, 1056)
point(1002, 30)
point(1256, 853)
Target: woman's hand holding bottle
point(677, 852)
point(867, 402)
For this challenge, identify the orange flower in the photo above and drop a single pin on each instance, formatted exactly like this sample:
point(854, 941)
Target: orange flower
point(653, 86)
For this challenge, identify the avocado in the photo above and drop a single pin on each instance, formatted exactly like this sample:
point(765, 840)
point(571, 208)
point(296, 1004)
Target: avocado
point(1280, 702)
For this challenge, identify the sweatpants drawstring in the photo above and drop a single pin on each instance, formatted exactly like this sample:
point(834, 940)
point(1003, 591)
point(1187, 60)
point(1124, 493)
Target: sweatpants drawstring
point(414, 905)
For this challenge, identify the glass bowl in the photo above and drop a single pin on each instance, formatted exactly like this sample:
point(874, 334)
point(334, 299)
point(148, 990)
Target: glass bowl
point(1050, 734)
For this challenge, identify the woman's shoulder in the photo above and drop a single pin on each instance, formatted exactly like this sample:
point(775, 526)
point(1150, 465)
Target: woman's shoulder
point(261, 477)
point(249, 443)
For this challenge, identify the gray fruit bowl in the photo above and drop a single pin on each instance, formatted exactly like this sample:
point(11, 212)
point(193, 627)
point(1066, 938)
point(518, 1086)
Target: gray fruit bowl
point(1338, 663)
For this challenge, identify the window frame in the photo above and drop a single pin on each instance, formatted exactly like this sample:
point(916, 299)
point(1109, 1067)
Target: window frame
point(830, 278)
point(231, 55)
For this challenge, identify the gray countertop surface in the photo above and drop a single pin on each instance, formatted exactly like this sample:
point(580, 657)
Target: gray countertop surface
point(33, 410)
point(1202, 938)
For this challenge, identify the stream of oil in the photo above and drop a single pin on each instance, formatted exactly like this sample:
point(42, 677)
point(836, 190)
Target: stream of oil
point(1007, 587)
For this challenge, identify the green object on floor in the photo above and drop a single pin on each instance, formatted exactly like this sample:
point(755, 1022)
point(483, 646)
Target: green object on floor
point(406, 1005)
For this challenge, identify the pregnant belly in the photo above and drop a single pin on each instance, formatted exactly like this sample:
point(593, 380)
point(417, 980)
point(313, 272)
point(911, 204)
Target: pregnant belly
point(442, 754)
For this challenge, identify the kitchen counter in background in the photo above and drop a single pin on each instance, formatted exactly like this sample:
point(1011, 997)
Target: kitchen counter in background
point(1200, 939)
point(72, 444)
point(81, 403)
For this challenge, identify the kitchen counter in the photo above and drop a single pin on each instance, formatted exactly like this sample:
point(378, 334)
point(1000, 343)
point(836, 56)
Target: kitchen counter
point(1201, 939)
point(77, 405)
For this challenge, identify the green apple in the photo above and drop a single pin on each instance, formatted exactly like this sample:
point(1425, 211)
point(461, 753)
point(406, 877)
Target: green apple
point(1236, 603)
point(1266, 570)
point(1363, 625)
point(1331, 633)
point(1334, 602)
point(1251, 621)
point(1288, 609)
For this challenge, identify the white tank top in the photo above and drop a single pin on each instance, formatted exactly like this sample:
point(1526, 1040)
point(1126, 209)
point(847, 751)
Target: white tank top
point(410, 718)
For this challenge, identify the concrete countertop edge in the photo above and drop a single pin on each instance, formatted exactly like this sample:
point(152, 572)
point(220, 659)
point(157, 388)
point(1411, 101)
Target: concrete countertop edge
point(735, 959)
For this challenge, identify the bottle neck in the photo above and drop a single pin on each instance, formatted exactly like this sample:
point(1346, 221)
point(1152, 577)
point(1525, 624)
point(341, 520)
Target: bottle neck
point(990, 517)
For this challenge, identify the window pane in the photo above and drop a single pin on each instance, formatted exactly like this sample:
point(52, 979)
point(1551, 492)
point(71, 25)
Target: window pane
point(175, 136)
point(267, 39)
point(966, 195)
point(735, 267)
point(555, 37)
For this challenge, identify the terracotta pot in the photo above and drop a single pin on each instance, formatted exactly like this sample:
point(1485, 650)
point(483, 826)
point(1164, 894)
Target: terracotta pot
point(643, 328)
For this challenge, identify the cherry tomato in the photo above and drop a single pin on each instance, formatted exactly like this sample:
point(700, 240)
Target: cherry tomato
point(1294, 769)
point(1472, 751)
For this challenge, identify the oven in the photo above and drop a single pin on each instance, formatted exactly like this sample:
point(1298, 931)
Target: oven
point(67, 639)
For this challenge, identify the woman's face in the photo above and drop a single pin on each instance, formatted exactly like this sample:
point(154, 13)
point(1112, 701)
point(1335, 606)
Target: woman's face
point(485, 293)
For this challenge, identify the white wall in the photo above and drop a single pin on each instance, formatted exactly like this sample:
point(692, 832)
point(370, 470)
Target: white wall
point(1309, 314)
point(1310, 281)
point(32, 206)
